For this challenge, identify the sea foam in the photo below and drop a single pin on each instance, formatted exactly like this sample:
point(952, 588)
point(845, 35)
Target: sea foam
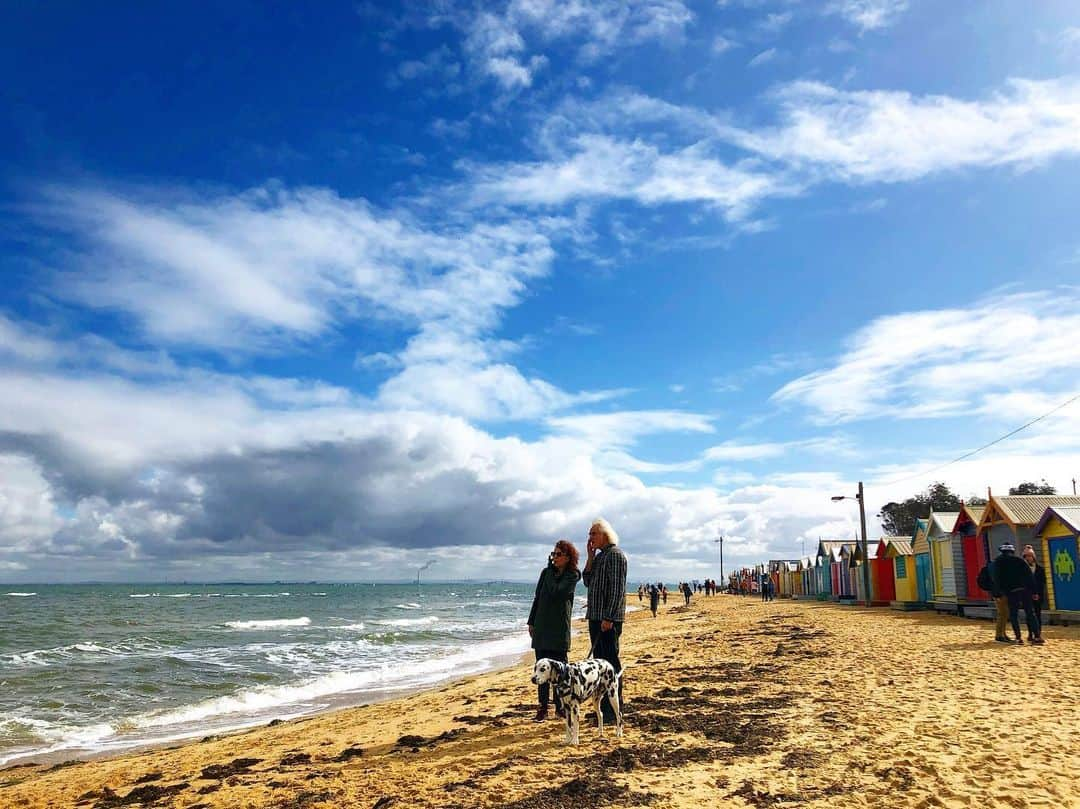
point(276, 623)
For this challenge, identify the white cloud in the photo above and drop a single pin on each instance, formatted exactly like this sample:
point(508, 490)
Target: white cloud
point(869, 15)
point(762, 58)
point(736, 451)
point(722, 44)
point(503, 43)
point(889, 136)
point(624, 428)
point(240, 271)
point(602, 167)
point(945, 362)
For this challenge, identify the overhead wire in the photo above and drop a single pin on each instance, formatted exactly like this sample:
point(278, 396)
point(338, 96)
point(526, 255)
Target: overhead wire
point(967, 455)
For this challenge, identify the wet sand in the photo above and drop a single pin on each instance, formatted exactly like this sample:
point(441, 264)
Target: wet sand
point(730, 703)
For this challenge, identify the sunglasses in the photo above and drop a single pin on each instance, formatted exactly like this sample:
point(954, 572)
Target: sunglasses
point(558, 553)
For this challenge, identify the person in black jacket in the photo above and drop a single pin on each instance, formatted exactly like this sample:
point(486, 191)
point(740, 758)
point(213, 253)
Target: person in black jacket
point(549, 618)
point(1038, 592)
point(1013, 578)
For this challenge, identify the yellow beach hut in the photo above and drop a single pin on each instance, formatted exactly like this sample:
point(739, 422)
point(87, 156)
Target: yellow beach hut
point(1056, 536)
point(898, 549)
point(945, 559)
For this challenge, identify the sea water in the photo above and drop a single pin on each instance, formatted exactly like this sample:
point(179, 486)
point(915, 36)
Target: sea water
point(93, 668)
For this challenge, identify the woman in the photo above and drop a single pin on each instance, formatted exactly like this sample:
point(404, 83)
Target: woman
point(1038, 592)
point(549, 618)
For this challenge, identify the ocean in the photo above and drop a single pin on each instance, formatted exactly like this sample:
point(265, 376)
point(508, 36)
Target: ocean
point(86, 669)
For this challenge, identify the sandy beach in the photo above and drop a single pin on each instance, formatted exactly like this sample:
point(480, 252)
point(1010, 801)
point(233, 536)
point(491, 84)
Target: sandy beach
point(730, 702)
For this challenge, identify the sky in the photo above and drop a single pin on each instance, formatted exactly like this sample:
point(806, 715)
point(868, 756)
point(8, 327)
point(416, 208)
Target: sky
point(297, 293)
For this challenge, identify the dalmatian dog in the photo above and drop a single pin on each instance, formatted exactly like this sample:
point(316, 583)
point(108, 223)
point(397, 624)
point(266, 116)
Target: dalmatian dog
point(577, 684)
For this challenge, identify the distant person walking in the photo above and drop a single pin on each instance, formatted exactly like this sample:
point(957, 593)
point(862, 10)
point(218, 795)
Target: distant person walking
point(1038, 591)
point(605, 577)
point(654, 599)
point(663, 592)
point(549, 618)
point(1013, 578)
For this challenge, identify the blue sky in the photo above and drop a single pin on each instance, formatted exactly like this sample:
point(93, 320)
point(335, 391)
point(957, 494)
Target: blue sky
point(331, 295)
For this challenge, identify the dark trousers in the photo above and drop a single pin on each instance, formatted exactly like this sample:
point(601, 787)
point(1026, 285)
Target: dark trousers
point(543, 691)
point(1018, 599)
point(605, 646)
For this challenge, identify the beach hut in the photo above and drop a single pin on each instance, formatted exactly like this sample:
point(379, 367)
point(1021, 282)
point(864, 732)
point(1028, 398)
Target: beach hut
point(1012, 519)
point(945, 560)
point(884, 578)
point(898, 549)
point(877, 596)
point(1056, 535)
point(920, 546)
point(828, 555)
point(849, 570)
point(969, 596)
point(809, 577)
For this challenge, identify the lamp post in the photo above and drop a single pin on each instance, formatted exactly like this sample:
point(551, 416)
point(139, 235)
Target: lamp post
point(865, 547)
point(720, 546)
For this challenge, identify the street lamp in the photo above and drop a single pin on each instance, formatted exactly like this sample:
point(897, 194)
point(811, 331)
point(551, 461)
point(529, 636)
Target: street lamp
point(865, 547)
point(720, 546)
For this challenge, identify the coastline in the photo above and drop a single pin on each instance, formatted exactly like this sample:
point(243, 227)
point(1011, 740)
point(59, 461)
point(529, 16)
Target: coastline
point(730, 701)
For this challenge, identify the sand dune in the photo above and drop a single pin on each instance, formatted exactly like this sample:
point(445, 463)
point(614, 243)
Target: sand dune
point(730, 703)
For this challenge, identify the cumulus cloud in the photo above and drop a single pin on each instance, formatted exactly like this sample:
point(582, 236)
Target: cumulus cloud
point(507, 43)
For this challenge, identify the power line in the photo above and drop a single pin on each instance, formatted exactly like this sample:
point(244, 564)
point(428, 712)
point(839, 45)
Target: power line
point(966, 455)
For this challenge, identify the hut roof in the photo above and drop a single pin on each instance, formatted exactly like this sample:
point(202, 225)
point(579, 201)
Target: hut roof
point(897, 546)
point(942, 521)
point(972, 514)
point(1027, 509)
point(1070, 515)
point(830, 548)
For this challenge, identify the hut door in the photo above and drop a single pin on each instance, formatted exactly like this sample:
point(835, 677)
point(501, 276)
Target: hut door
point(972, 567)
point(1064, 573)
point(923, 575)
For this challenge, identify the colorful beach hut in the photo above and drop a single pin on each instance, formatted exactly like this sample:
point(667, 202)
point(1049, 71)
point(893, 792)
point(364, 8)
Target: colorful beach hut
point(884, 580)
point(945, 560)
point(966, 537)
point(920, 546)
point(1056, 534)
point(828, 556)
point(809, 573)
point(1012, 518)
point(898, 549)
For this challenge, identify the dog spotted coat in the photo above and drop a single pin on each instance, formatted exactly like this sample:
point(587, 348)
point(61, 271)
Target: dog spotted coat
point(577, 684)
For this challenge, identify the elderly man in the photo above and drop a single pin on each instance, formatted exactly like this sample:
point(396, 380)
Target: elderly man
point(605, 578)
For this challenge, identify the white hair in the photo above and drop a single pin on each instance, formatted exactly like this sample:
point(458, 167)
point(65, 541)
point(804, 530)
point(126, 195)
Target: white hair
point(609, 532)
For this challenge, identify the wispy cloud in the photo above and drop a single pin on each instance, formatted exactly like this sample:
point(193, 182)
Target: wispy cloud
point(604, 167)
point(869, 15)
point(888, 136)
point(947, 362)
point(507, 44)
point(762, 58)
point(624, 428)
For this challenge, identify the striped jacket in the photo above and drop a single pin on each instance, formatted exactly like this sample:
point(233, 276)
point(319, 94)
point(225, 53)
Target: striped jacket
point(606, 583)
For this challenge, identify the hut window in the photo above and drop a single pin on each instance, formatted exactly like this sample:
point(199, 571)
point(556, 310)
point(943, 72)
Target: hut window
point(901, 567)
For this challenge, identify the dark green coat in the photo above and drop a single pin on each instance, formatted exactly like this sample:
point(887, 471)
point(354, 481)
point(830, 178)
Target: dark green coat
point(551, 609)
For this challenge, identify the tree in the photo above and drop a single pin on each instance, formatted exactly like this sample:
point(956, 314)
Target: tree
point(898, 519)
point(976, 500)
point(1029, 487)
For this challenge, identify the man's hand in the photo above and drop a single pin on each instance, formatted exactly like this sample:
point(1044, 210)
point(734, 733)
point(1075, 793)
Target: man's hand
point(606, 626)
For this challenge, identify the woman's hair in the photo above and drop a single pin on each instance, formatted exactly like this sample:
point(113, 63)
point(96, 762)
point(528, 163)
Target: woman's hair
point(609, 532)
point(571, 554)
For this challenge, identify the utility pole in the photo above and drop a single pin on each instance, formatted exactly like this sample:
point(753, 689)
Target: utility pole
point(865, 545)
point(720, 547)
